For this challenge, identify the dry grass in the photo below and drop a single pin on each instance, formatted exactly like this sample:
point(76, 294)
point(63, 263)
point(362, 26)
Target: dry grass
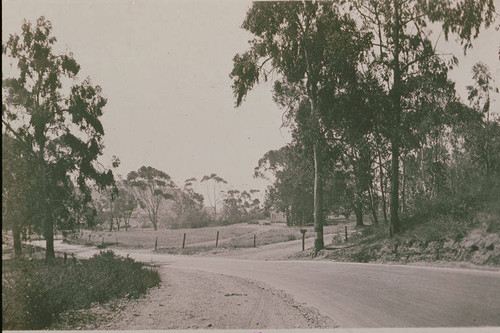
point(263, 235)
point(145, 238)
point(200, 239)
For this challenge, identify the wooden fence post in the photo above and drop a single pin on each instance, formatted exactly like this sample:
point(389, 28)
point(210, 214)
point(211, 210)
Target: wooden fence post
point(345, 233)
point(184, 240)
point(303, 231)
point(217, 239)
point(65, 257)
point(254, 241)
point(156, 243)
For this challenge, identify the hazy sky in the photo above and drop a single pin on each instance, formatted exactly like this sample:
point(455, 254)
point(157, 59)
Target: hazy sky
point(164, 67)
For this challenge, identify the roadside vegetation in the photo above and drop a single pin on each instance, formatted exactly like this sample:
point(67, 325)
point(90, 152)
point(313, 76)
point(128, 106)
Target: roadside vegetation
point(377, 124)
point(442, 233)
point(146, 238)
point(35, 293)
point(199, 240)
point(378, 131)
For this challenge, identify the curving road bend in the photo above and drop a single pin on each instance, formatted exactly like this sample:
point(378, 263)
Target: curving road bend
point(360, 295)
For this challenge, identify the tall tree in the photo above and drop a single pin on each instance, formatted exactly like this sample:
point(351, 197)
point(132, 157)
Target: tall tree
point(480, 95)
point(187, 198)
point(125, 204)
point(151, 187)
point(306, 44)
point(403, 48)
point(291, 172)
point(63, 131)
point(239, 205)
point(214, 185)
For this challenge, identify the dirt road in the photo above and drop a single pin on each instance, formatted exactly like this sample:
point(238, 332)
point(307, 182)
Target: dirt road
point(364, 295)
point(194, 300)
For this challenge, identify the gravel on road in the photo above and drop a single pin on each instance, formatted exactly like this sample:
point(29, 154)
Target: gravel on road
point(201, 300)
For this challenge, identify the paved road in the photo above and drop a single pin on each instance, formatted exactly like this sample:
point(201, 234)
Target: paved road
point(363, 295)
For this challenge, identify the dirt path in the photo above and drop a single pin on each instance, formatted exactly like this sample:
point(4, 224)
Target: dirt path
point(193, 299)
point(385, 295)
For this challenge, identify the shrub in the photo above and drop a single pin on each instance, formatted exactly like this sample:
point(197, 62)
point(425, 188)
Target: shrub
point(35, 293)
point(366, 254)
point(193, 218)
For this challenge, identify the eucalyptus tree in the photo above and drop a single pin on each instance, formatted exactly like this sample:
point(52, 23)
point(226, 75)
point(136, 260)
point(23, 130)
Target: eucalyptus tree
point(301, 46)
point(403, 50)
point(124, 205)
point(480, 95)
point(214, 185)
point(18, 180)
point(239, 206)
point(292, 177)
point(194, 199)
point(59, 126)
point(152, 189)
point(187, 200)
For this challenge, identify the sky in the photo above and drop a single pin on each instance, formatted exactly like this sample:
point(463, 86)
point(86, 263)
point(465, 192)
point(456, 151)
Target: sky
point(164, 67)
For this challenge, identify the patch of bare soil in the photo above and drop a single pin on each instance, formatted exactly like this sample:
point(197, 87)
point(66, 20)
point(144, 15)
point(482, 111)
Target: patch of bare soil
point(200, 300)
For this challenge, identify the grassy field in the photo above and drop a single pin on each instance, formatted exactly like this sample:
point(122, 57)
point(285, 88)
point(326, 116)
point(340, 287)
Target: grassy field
point(263, 236)
point(237, 235)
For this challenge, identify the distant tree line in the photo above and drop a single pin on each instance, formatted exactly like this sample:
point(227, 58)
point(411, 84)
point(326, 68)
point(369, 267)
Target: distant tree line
point(151, 192)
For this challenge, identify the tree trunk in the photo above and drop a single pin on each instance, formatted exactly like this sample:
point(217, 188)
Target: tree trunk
point(311, 86)
point(49, 240)
point(317, 212)
point(372, 204)
point(358, 211)
point(486, 148)
point(126, 220)
point(396, 135)
point(16, 233)
point(48, 226)
point(155, 222)
point(395, 228)
point(382, 187)
point(403, 188)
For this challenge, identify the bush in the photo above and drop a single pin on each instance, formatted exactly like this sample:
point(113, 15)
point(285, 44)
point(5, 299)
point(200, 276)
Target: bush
point(238, 217)
point(193, 218)
point(366, 254)
point(34, 294)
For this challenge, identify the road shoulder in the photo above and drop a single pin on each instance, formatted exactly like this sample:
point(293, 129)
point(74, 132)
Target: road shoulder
point(189, 299)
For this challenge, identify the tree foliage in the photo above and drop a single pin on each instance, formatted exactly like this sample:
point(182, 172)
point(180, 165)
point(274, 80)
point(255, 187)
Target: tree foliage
point(152, 189)
point(214, 189)
point(61, 131)
point(188, 206)
point(307, 48)
point(18, 180)
point(406, 60)
point(240, 206)
point(366, 94)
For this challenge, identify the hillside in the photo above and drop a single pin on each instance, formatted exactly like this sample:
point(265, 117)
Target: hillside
point(440, 238)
